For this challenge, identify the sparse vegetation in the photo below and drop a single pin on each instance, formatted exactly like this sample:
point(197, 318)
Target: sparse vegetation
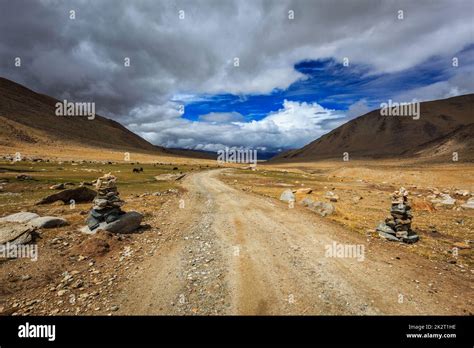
point(439, 227)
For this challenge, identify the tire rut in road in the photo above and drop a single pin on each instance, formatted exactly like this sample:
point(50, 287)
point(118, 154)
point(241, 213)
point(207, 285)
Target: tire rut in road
point(204, 291)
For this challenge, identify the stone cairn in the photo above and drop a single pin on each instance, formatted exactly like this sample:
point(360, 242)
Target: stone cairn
point(106, 204)
point(397, 227)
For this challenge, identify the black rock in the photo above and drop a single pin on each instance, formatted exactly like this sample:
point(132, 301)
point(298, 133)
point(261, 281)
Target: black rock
point(79, 195)
point(411, 239)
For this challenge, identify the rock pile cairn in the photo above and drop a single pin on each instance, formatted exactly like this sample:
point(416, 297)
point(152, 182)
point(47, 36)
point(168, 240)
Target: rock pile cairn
point(106, 204)
point(397, 227)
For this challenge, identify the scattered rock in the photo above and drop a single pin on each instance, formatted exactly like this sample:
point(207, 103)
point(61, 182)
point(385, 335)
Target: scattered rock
point(463, 193)
point(57, 187)
point(77, 284)
point(460, 245)
point(331, 196)
point(306, 191)
point(287, 196)
point(24, 177)
point(322, 208)
point(469, 204)
point(444, 199)
point(307, 202)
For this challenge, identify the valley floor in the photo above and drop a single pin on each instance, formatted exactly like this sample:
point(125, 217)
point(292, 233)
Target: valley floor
point(240, 253)
point(221, 243)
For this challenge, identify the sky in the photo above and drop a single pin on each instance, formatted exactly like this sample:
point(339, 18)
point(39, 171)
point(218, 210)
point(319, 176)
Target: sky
point(267, 75)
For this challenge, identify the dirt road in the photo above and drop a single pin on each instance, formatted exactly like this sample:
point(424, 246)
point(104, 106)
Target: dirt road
point(238, 253)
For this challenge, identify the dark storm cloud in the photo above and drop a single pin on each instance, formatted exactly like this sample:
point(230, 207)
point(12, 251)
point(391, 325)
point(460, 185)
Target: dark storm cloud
point(83, 59)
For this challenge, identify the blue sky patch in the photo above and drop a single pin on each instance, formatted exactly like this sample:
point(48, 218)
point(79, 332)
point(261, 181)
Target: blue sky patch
point(333, 86)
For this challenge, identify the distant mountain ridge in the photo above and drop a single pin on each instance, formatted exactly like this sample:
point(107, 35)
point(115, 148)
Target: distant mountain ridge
point(445, 126)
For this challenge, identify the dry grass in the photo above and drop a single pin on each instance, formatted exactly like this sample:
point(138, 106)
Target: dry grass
point(22, 195)
point(68, 152)
point(438, 226)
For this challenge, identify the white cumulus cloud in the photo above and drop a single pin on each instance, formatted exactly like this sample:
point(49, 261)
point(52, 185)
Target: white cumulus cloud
point(294, 125)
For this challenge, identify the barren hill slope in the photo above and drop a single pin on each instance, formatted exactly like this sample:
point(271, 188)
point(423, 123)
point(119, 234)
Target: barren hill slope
point(376, 136)
point(461, 140)
point(29, 117)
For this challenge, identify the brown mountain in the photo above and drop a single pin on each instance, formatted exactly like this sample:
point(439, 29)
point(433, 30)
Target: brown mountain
point(461, 140)
point(445, 126)
point(28, 117)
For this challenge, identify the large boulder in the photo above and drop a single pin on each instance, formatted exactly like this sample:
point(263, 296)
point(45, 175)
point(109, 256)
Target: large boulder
point(15, 233)
point(126, 223)
point(79, 195)
point(322, 208)
point(22, 217)
point(47, 222)
point(287, 196)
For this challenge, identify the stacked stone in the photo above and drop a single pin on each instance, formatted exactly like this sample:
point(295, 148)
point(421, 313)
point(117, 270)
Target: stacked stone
point(107, 202)
point(397, 227)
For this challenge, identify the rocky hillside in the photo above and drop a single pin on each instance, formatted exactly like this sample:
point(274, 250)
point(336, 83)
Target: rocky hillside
point(461, 140)
point(28, 117)
point(445, 126)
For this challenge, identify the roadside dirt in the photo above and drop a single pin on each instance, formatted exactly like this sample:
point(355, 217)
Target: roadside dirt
point(234, 252)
